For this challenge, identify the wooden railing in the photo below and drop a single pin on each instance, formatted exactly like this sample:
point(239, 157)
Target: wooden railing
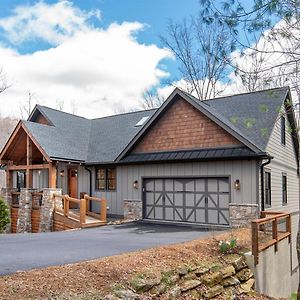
point(102, 213)
point(63, 207)
point(266, 231)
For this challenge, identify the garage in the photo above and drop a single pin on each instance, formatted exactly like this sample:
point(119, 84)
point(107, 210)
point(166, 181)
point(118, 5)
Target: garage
point(192, 200)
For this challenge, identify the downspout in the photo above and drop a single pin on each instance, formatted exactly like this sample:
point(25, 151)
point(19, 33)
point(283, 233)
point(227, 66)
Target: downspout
point(262, 180)
point(90, 175)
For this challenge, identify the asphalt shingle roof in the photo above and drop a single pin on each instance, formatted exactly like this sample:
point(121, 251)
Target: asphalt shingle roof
point(250, 115)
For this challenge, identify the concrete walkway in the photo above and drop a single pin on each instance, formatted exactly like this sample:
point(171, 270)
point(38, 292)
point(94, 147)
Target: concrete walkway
point(20, 252)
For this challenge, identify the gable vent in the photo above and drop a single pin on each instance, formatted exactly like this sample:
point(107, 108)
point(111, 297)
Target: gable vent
point(141, 122)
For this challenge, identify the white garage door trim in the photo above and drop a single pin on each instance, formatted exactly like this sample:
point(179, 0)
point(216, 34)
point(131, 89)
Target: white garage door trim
point(201, 200)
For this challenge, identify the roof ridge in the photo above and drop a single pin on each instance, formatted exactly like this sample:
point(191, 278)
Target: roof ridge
point(241, 94)
point(61, 111)
point(126, 113)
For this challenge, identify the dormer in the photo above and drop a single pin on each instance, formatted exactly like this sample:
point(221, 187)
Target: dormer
point(38, 116)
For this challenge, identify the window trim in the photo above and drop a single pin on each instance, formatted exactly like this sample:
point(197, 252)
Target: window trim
point(283, 131)
point(268, 171)
point(106, 179)
point(284, 203)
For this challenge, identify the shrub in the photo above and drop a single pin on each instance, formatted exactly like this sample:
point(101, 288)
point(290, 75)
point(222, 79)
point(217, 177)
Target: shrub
point(228, 246)
point(4, 215)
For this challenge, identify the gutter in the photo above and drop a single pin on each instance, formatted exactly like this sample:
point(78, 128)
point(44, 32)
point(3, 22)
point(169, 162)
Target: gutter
point(262, 180)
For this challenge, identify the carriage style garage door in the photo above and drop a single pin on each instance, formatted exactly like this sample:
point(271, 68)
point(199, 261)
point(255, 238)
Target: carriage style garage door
point(194, 200)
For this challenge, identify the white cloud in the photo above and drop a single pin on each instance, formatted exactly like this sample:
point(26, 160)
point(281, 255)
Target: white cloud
point(98, 69)
point(52, 23)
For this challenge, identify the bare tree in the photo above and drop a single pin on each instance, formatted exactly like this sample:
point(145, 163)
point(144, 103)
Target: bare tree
point(203, 50)
point(3, 81)
point(151, 100)
point(60, 104)
point(26, 106)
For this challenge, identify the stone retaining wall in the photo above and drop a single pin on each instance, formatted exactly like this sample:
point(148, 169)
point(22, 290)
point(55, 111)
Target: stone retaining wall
point(190, 282)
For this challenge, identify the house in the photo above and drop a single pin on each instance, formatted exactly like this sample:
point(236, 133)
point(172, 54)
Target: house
point(216, 162)
point(2, 178)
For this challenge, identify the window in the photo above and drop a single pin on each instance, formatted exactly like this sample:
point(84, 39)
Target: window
point(283, 130)
point(284, 189)
point(268, 188)
point(21, 180)
point(106, 179)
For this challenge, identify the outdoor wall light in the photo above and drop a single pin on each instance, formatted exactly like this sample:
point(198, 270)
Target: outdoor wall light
point(237, 185)
point(62, 173)
point(136, 184)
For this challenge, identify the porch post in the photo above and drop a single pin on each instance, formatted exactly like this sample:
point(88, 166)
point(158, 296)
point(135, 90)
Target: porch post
point(29, 172)
point(52, 175)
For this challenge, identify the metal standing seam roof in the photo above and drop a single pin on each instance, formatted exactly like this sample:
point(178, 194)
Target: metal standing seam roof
point(190, 155)
point(251, 115)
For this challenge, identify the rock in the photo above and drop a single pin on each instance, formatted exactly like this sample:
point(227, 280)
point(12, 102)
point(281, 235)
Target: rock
point(174, 293)
point(228, 271)
point(126, 295)
point(212, 278)
point(214, 291)
point(244, 274)
point(173, 279)
point(158, 289)
point(230, 281)
point(142, 285)
point(189, 276)
point(182, 270)
point(240, 263)
point(201, 271)
point(230, 293)
point(111, 297)
point(247, 286)
point(189, 284)
point(194, 294)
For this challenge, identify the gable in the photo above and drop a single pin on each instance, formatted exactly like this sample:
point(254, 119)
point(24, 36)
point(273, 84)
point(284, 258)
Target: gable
point(37, 116)
point(182, 126)
point(16, 148)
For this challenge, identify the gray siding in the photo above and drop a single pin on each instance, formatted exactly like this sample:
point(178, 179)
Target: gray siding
point(284, 162)
point(2, 179)
point(245, 171)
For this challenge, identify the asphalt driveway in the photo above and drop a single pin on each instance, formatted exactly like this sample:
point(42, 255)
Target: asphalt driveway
point(20, 252)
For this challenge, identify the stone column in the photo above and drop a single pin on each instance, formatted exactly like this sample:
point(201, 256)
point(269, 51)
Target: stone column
point(24, 214)
point(46, 211)
point(241, 215)
point(5, 193)
point(133, 210)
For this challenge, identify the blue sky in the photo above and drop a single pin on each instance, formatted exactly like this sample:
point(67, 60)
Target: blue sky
point(89, 57)
point(154, 13)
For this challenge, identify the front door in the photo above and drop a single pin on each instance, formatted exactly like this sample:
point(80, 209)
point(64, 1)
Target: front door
point(72, 182)
point(21, 180)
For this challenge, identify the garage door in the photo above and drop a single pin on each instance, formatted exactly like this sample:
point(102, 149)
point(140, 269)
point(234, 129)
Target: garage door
point(194, 200)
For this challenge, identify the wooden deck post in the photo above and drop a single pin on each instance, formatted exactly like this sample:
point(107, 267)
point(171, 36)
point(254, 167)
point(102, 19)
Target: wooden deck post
point(254, 232)
point(82, 211)
point(52, 175)
point(103, 210)
point(275, 233)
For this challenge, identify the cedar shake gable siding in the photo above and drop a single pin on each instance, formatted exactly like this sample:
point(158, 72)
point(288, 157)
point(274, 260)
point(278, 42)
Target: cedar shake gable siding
point(182, 126)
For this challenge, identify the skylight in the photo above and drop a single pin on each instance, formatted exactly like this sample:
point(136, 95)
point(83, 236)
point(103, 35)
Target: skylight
point(141, 122)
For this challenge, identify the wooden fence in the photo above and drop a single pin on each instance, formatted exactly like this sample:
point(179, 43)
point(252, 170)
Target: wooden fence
point(269, 230)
